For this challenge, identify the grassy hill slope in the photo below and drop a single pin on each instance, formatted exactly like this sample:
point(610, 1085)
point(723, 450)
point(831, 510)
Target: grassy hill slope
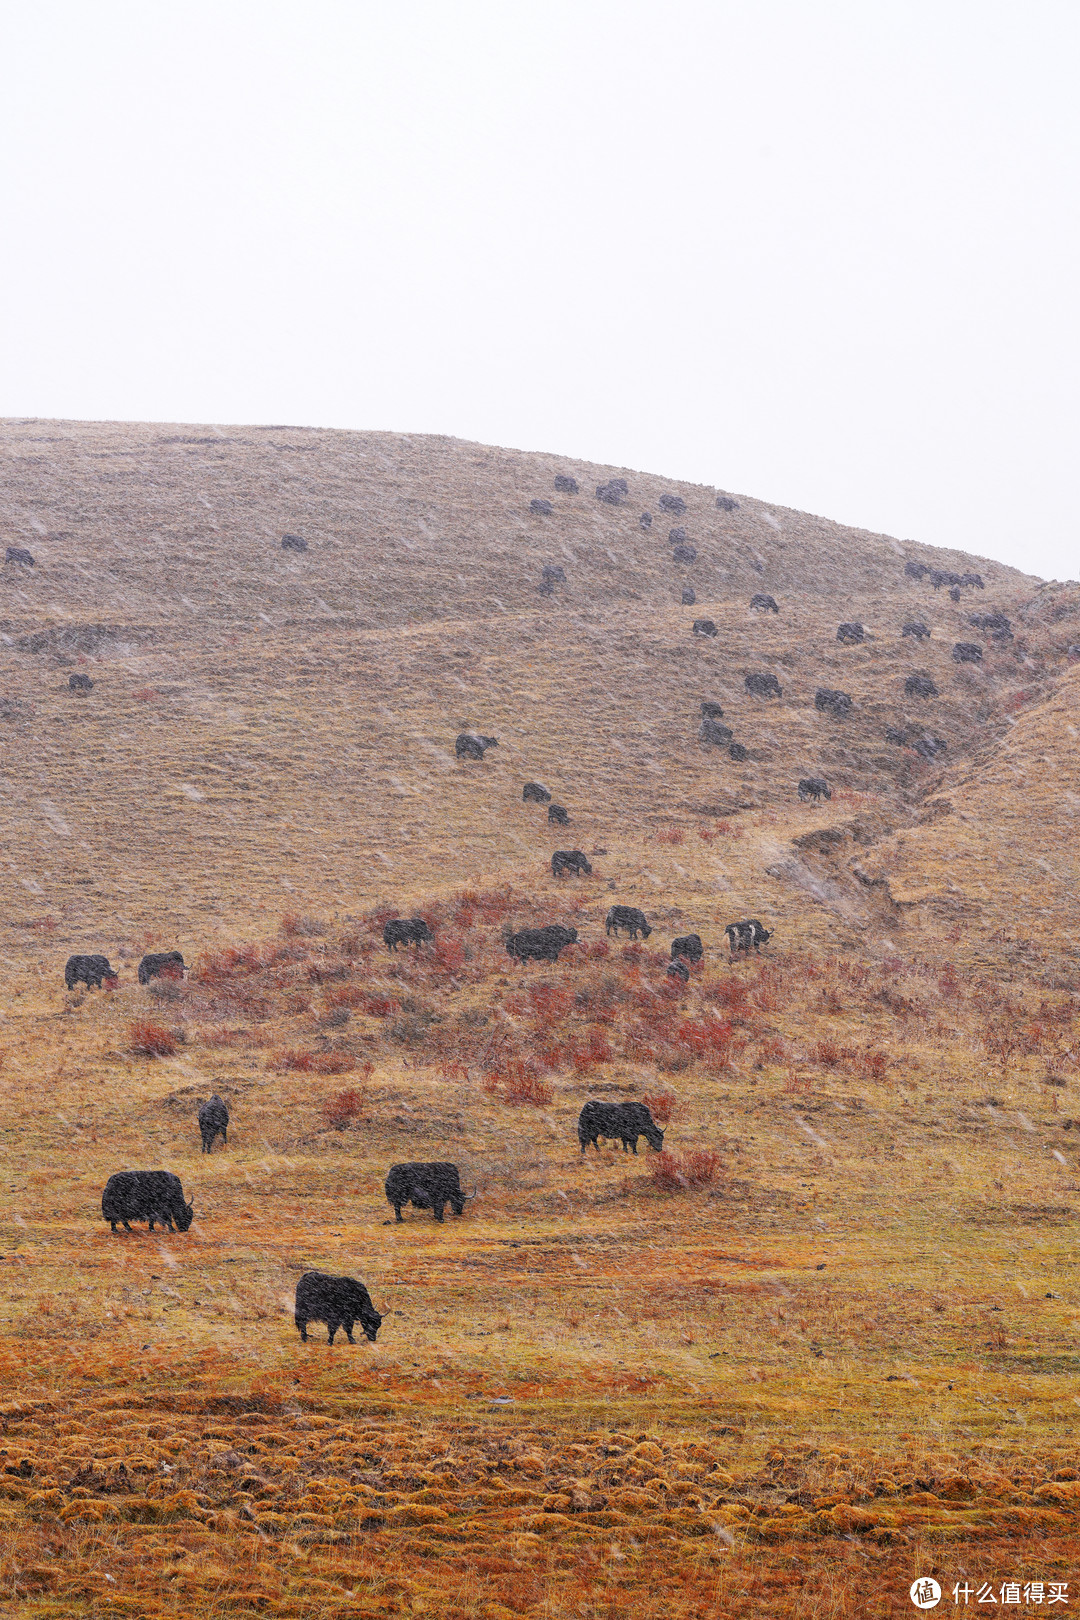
point(824, 1343)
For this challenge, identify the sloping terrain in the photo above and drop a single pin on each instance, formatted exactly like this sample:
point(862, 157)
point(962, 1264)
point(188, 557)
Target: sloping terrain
point(822, 1344)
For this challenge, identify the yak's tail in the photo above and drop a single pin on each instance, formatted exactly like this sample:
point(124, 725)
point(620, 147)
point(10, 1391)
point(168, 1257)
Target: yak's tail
point(469, 1195)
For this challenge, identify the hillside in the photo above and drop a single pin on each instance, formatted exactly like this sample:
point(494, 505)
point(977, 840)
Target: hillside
point(263, 719)
point(823, 1343)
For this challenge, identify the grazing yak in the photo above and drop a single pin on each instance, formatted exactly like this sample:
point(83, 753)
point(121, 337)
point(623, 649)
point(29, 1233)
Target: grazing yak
point(742, 935)
point(974, 580)
point(80, 683)
point(337, 1301)
point(916, 628)
point(553, 574)
point(690, 946)
point(814, 787)
point(849, 635)
point(677, 969)
point(739, 752)
point(19, 554)
point(767, 604)
point(672, 503)
point(998, 625)
point(558, 816)
point(161, 964)
point(967, 652)
point(895, 736)
point(920, 686)
point(426, 1186)
point(916, 570)
point(943, 576)
point(628, 917)
point(645, 520)
point(540, 944)
point(541, 508)
point(725, 503)
point(471, 746)
point(711, 711)
point(90, 970)
point(293, 542)
point(618, 1122)
point(565, 484)
point(570, 860)
point(407, 931)
point(684, 554)
point(145, 1195)
point(213, 1122)
point(829, 701)
point(704, 627)
point(678, 537)
point(535, 793)
point(711, 731)
point(613, 491)
point(759, 683)
point(689, 596)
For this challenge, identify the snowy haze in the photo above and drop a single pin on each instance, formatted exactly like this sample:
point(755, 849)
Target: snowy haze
point(822, 253)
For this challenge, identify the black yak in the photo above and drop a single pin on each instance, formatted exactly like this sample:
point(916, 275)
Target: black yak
point(213, 1122)
point(407, 931)
point(164, 964)
point(618, 1122)
point(426, 1186)
point(337, 1301)
point(145, 1195)
point(90, 970)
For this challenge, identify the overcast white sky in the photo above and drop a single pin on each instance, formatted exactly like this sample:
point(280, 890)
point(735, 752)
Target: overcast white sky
point(820, 252)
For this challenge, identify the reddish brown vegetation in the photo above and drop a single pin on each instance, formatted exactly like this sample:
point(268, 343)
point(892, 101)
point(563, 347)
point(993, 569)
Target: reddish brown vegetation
point(151, 1040)
point(680, 1171)
point(342, 1107)
point(518, 1083)
point(661, 1105)
point(313, 1062)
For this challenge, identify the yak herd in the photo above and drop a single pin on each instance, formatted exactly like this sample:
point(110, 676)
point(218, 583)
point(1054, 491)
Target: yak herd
point(157, 1197)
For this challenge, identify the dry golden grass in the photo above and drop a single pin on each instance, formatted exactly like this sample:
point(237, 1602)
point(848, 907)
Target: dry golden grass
point(847, 1359)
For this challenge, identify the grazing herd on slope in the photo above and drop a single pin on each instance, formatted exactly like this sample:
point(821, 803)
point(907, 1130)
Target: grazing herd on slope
point(157, 1196)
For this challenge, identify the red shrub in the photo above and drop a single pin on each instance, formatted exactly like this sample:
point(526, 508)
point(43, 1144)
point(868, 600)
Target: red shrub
point(706, 834)
point(830, 1054)
point(313, 1062)
point(586, 1052)
point(361, 1000)
point(550, 1001)
point(449, 952)
point(597, 951)
point(145, 694)
point(676, 1172)
point(772, 1050)
point(661, 1105)
point(731, 994)
point(873, 1065)
point(518, 1083)
point(670, 835)
point(341, 1107)
point(151, 1040)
